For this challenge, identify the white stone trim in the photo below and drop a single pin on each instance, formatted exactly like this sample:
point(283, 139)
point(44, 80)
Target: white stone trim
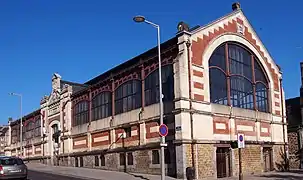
point(264, 130)
point(154, 129)
point(224, 21)
point(198, 79)
point(197, 68)
point(215, 25)
point(236, 38)
point(259, 43)
point(220, 126)
point(76, 143)
point(134, 132)
point(198, 91)
point(102, 138)
point(245, 128)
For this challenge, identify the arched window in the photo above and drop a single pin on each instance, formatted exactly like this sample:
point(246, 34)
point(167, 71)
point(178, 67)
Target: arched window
point(81, 115)
point(102, 106)
point(38, 127)
point(237, 78)
point(151, 84)
point(128, 96)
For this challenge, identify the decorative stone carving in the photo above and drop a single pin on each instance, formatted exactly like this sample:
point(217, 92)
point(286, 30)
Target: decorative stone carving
point(56, 81)
point(65, 88)
point(240, 28)
point(54, 108)
point(44, 99)
point(55, 96)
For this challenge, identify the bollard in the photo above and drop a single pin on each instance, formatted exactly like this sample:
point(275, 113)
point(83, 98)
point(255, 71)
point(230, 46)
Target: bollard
point(190, 173)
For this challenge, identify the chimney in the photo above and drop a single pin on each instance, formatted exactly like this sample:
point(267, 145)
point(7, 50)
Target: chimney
point(236, 6)
point(182, 26)
point(10, 120)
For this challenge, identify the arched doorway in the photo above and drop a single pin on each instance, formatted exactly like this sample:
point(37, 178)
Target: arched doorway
point(55, 142)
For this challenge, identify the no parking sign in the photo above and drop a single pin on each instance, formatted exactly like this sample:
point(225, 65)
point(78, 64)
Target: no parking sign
point(241, 141)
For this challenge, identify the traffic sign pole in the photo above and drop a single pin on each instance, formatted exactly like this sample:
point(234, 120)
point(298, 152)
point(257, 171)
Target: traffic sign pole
point(240, 165)
point(163, 131)
point(241, 144)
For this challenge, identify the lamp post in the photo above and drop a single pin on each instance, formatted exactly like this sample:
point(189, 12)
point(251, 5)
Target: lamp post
point(140, 19)
point(21, 140)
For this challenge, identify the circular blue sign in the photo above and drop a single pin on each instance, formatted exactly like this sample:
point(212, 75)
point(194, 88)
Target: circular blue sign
point(241, 138)
point(163, 130)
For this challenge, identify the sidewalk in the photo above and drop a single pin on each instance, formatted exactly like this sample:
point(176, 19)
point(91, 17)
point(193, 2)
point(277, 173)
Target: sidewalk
point(91, 174)
point(97, 174)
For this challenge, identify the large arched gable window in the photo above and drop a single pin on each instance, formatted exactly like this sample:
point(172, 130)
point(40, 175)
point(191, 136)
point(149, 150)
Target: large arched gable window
point(151, 84)
point(81, 113)
point(237, 78)
point(128, 96)
point(102, 106)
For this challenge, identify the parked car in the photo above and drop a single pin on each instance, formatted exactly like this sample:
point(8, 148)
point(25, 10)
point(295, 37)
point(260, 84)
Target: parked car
point(12, 168)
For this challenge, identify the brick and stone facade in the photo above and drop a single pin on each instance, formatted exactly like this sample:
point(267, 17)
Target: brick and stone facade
point(295, 127)
point(111, 122)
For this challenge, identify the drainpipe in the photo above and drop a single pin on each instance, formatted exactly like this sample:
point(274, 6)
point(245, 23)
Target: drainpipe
point(65, 103)
point(282, 113)
point(188, 44)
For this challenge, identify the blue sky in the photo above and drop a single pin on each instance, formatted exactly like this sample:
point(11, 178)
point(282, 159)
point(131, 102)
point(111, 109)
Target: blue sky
point(81, 39)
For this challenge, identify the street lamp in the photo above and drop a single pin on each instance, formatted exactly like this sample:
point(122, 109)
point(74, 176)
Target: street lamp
point(140, 19)
point(21, 140)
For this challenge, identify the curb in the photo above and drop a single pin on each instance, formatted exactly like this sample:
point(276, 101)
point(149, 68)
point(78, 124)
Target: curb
point(64, 175)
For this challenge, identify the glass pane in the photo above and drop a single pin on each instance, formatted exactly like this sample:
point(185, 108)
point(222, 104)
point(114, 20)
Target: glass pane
point(218, 86)
point(218, 58)
point(241, 92)
point(261, 97)
point(259, 73)
point(240, 61)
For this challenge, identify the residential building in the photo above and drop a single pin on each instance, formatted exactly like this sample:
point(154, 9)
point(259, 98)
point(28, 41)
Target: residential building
point(218, 80)
point(294, 109)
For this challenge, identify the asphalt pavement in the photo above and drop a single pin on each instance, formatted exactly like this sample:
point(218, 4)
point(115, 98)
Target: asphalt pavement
point(35, 175)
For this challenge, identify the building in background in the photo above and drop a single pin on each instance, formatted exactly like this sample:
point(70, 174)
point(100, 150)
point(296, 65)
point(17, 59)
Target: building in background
point(218, 80)
point(4, 136)
point(295, 127)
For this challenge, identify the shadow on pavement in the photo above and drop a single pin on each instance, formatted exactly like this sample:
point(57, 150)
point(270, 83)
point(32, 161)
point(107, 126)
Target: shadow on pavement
point(297, 171)
point(138, 176)
point(281, 176)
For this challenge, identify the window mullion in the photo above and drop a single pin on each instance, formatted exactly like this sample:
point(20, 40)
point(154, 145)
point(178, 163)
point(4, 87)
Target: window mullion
point(227, 75)
point(253, 82)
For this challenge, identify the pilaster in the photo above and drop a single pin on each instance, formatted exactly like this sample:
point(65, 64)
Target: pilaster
point(142, 133)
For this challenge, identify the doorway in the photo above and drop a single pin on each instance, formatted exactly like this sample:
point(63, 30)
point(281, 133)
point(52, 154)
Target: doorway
point(267, 159)
point(223, 155)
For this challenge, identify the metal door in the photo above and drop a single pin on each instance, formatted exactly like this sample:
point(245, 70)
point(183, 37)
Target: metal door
point(223, 162)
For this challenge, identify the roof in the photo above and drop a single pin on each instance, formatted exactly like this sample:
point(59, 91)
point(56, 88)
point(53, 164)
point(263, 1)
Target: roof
point(76, 86)
point(34, 113)
point(131, 62)
point(171, 43)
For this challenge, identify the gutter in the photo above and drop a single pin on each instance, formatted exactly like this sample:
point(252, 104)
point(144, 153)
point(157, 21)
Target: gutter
point(188, 44)
point(283, 126)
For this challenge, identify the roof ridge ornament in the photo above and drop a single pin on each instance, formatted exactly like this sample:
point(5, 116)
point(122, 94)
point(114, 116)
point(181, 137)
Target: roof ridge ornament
point(182, 26)
point(236, 6)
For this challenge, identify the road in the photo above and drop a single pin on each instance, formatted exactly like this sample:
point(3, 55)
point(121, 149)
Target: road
point(34, 175)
